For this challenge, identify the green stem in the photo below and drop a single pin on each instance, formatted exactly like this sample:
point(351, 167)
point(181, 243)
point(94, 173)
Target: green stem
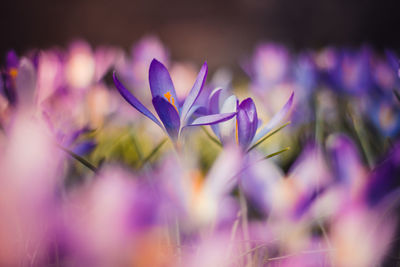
point(363, 140)
point(245, 224)
point(136, 146)
point(212, 138)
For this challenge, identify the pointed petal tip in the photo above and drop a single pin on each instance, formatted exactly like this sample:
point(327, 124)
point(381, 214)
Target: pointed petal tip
point(133, 101)
point(290, 101)
point(155, 62)
point(115, 78)
point(194, 92)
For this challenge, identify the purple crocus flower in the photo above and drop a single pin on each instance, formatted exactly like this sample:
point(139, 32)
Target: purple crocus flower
point(245, 131)
point(173, 117)
point(9, 74)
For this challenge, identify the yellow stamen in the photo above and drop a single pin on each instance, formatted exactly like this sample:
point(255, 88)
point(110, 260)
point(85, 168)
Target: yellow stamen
point(13, 72)
point(198, 182)
point(170, 99)
point(237, 133)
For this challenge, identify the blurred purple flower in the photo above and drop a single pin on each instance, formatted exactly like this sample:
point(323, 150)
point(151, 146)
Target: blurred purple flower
point(384, 114)
point(111, 219)
point(269, 66)
point(385, 72)
point(384, 181)
point(263, 182)
point(353, 73)
point(345, 161)
point(31, 172)
point(200, 200)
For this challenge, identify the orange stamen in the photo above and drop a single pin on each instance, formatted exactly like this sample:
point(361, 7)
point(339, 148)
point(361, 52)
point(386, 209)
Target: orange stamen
point(198, 182)
point(170, 99)
point(237, 133)
point(13, 72)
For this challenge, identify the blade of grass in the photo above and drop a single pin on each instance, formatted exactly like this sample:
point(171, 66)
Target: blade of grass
point(154, 151)
point(277, 153)
point(268, 136)
point(82, 160)
point(361, 134)
point(212, 138)
point(136, 146)
point(397, 94)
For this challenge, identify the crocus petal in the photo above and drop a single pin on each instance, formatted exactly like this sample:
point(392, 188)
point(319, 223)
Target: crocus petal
point(260, 181)
point(247, 121)
point(227, 129)
point(72, 137)
point(26, 82)
point(134, 101)
point(213, 102)
point(275, 120)
point(345, 160)
point(213, 107)
point(305, 202)
point(12, 60)
point(168, 115)
point(310, 171)
point(161, 83)
point(198, 110)
point(223, 175)
point(195, 92)
point(212, 119)
point(84, 148)
point(384, 181)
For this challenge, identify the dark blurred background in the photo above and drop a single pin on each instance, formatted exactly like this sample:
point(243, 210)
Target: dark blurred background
point(219, 31)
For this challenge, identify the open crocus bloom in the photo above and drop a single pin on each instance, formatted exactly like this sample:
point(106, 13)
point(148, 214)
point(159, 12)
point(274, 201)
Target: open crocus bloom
point(244, 129)
point(173, 117)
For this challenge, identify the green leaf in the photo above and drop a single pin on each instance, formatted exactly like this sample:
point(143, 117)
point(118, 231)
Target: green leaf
point(397, 94)
point(136, 146)
point(277, 153)
point(82, 160)
point(268, 136)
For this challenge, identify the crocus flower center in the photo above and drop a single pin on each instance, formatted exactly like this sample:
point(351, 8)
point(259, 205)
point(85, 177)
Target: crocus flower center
point(13, 72)
point(198, 182)
point(386, 117)
point(170, 99)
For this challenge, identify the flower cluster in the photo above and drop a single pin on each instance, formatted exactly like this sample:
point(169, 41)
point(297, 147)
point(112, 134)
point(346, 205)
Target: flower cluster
point(295, 162)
